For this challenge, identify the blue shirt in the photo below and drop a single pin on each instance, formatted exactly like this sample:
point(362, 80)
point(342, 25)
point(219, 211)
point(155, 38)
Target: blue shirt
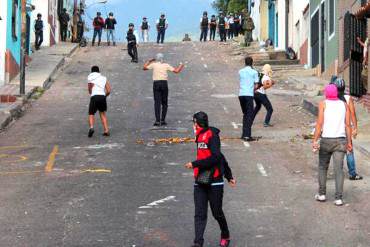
point(248, 77)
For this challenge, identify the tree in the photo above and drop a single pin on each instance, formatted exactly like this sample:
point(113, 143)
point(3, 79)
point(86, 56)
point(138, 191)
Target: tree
point(221, 5)
point(236, 6)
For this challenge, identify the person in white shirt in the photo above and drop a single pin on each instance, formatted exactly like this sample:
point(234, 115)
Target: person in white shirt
point(334, 127)
point(99, 88)
point(230, 33)
point(260, 96)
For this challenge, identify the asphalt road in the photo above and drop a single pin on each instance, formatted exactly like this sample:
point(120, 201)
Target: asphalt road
point(59, 188)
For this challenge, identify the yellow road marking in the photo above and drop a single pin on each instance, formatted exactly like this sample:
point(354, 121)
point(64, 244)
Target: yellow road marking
point(11, 147)
point(20, 172)
point(20, 157)
point(49, 166)
point(98, 170)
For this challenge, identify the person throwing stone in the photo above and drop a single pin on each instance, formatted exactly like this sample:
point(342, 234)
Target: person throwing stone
point(160, 86)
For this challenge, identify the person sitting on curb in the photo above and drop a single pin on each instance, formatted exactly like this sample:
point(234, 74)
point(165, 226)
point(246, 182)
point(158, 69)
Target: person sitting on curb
point(99, 89)
point(351, 163)
point(334, 127)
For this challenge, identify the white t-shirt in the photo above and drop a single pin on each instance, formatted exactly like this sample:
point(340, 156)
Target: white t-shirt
point(99, 82)
point(265, 78)
point(334, 119)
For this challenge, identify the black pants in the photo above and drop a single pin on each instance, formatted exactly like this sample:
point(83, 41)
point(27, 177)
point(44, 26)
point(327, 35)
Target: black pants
point(230, 33)
point(212, 34)
point(247, 105)
point(204, 34)
point(160, 90)
point(236, 29)
point(213, 195)
point(39, 38)
point(161, 34)
point(132, 51)
point(80, 31)
point(63, 32)
point(261, 99)
point(222, 32)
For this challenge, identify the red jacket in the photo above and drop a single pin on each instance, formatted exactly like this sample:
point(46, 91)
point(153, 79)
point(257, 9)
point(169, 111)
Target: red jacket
point(98, 23)
point(209, 155)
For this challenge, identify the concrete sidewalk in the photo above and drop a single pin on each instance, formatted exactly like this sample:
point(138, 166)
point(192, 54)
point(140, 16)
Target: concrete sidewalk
point(313, 87)
point(39, 72)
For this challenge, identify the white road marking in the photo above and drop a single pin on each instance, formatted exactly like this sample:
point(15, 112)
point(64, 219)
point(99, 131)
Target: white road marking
point(246, 144)
point(103, 146)
point(262, 170)
point(157, 203)
point(225, 109)
point(205, 66)
point(234, 125)
point(223, 96)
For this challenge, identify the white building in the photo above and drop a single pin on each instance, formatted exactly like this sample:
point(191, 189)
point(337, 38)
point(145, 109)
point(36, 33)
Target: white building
point(3, 15)
point(255, 14)
point(48, 10)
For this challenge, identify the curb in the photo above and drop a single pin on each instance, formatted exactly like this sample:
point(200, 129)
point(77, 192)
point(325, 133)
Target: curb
point(23, 103)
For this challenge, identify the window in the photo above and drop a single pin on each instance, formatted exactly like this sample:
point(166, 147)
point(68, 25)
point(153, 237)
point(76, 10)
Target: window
point(15, 19)
point(331, 18)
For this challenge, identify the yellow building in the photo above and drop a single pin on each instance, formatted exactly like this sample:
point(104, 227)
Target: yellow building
point(264, 20)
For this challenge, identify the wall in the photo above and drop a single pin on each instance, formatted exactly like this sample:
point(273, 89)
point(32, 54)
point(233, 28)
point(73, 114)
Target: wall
point(299, 25)
point(255, 14)
point(3, 26)
point(332, 45)
point(42, 7)
point(280, 4)
point(264, 19)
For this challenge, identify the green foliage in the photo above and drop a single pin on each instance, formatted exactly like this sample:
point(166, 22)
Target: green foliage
point(230, 6)
point(236, 6)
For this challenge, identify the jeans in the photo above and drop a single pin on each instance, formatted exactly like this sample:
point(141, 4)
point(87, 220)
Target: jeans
point(39, 38)
point(80, 31)
point(161, 34)
point(213, 195)
point(261, 99)
point(351, 164)
point(204, 34)
point(132, 51)
point(63, 32)
point(145, 35)
point(97, 32)
point(212, 34)
point(160, 91)
point(230, 33)
point(222, 32)
point(336, 148)
point(111, 34)
point(247, 105)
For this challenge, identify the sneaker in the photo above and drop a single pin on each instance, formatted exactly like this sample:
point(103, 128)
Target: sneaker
point(91, 132)
point(250, 139)
point(163, 123)
point(356, 177)
point(224, 242)
point(267, 125)
point(106, 134)
point(338, 202)
point(320, 198)
point(157, 123)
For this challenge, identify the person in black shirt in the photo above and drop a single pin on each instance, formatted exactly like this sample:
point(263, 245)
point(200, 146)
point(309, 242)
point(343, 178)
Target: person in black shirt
point(221, 27)
point(213, 27)
point(132, 43)
point(39, 31)
point(64, 20)
point(110, 23)
point(204, 27)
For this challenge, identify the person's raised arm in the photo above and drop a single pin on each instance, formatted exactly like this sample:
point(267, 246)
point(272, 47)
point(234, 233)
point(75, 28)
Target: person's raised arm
point(348, 129)
point(108, 89)
point(147, 63)
point(90, 87)
point(178, 69)
point(319, 125)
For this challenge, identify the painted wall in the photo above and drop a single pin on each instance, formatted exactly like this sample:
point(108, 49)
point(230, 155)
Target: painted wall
point(13, 45)
point(264, 19)
point(3, 26)
point(255, 14)
point(332, 41)
point(281, 34)
point(42, 7)
point(299, 26)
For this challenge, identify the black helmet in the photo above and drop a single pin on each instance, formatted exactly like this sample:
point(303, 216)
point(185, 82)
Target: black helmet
point(131, 25)
point(111, 14)
point(98, 14)
point(205, 13)
point(340, 83)
point(38, 15)
point(201, 118)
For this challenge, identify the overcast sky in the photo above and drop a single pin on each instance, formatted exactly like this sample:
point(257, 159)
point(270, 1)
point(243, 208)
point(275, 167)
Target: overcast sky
point(183, 15)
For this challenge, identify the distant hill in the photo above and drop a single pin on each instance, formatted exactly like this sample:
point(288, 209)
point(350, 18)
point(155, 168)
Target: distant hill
point(183, 15)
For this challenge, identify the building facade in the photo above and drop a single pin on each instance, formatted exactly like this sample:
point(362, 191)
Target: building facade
point(3, 30)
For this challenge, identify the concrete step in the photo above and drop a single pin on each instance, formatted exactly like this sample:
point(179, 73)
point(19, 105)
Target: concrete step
point(284, 62)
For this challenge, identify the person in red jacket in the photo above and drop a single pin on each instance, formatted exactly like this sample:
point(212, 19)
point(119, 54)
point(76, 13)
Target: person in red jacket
point(209, 169)
point(98, 24)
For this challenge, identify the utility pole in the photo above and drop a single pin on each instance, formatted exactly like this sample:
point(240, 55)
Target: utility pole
point(22, 75)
